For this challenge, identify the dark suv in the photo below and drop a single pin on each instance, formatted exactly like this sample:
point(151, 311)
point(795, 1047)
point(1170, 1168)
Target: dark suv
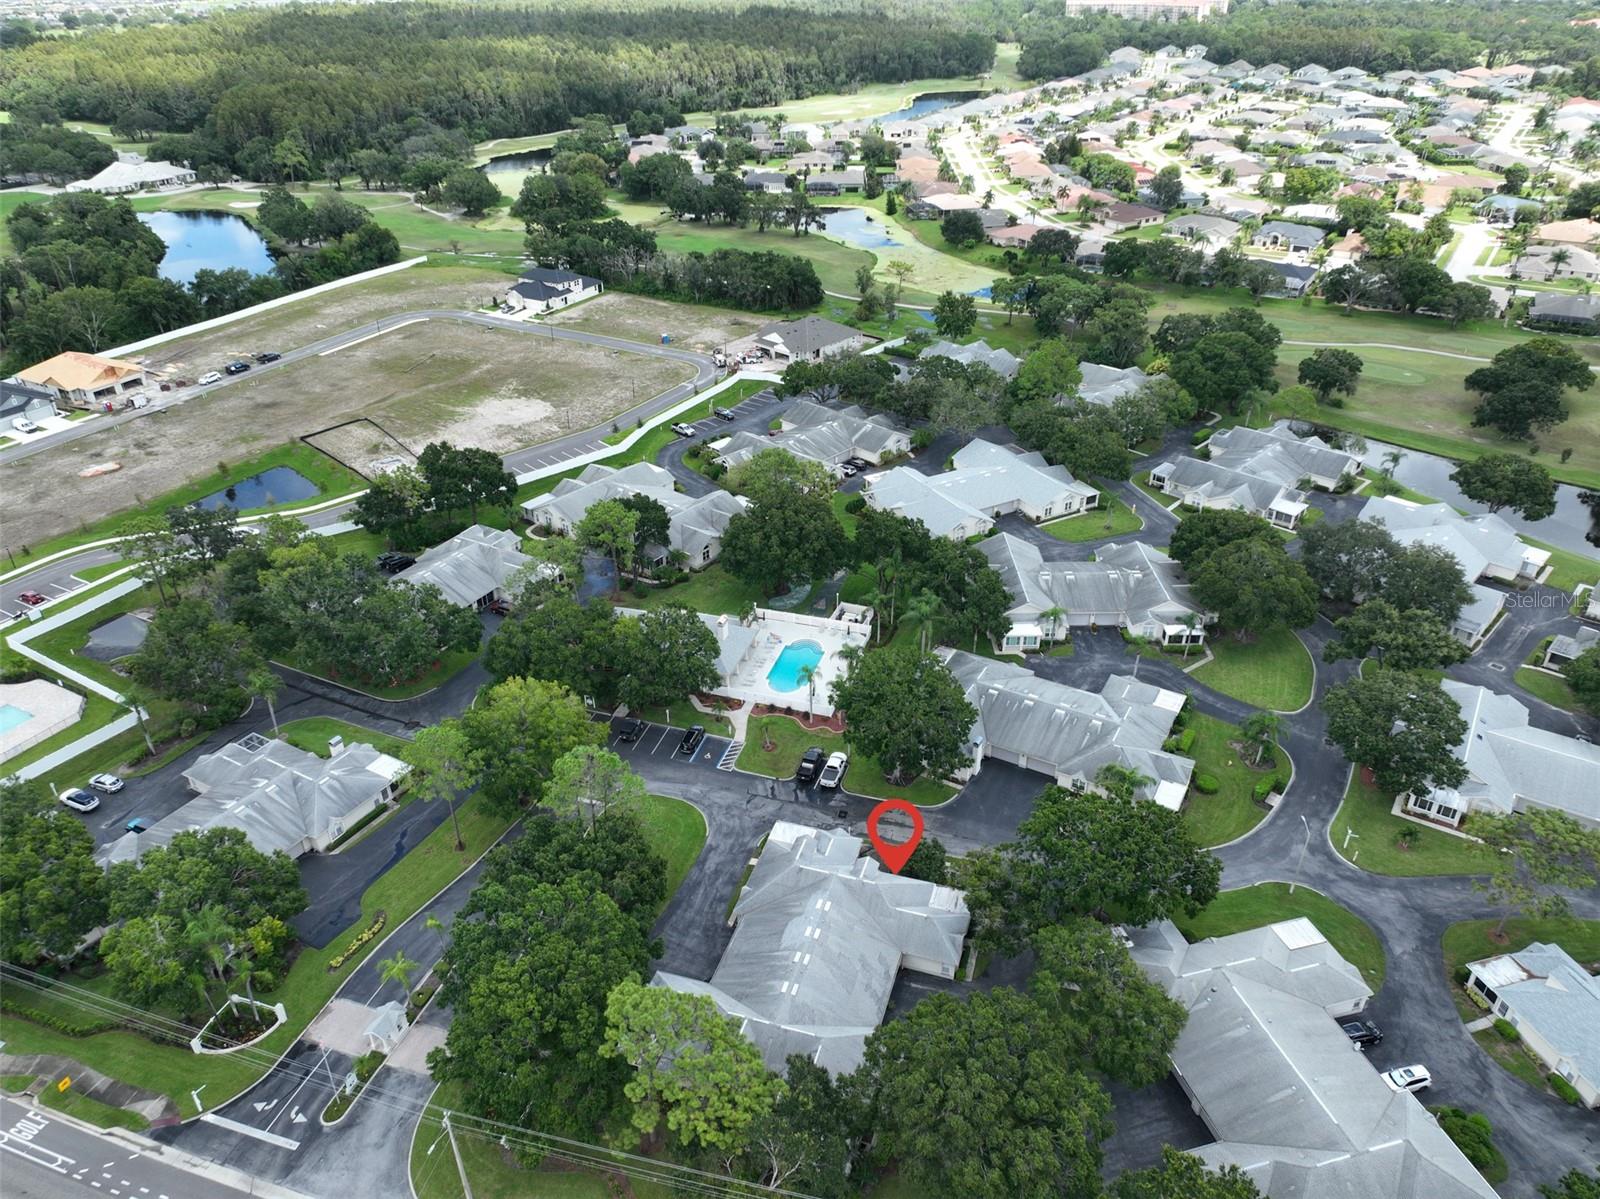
point(692, 739)
point(267, 356)
point(630, 729)
point(237, 368)
point(1363, 1032)
point(810, 766)
point(393, 562)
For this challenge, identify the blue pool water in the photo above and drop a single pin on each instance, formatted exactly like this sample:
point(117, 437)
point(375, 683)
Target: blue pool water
point(785, 672)
point(214, 240)
point(11, 716)
point(276, 486)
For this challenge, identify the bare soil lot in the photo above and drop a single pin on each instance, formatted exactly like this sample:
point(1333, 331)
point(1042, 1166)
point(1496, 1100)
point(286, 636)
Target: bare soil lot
point(321, 316)
point(638, 318)
point(434, 380)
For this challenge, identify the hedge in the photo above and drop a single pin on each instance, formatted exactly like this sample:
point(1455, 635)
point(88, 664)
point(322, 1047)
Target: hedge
point(1565, 1089)
point(58, 1023)
point(372, 930)
point(1206, 784)
point(1200, 437)
point(1186, 740)
point(1507, 1030)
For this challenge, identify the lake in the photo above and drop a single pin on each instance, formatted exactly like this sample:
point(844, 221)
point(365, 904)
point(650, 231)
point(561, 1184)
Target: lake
point(200, 240)
point(922, 105)
point(1567, 528)
point(863, 229)
point(279, 485)
point(509, 170)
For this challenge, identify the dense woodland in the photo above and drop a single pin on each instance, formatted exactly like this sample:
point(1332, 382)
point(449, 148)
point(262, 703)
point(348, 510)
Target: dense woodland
point(338, 80)
point(1388, 35)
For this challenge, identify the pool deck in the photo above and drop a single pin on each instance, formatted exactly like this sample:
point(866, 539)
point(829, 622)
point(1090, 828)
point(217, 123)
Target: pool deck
point(774, 630)
point(46, 709)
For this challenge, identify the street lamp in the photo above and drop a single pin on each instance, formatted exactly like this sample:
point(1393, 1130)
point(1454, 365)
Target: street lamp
point(1305, 845)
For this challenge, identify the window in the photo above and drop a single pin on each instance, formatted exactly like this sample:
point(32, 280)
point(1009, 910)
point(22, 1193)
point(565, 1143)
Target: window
point(1501, 1007)
point(1445, 813)
point(705, 554)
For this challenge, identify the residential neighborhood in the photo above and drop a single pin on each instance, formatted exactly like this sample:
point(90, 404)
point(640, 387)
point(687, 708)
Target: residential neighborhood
point(970, 603)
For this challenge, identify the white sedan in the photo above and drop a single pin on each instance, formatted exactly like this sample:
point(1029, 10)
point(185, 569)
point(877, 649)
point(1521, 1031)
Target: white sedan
point(833, 773)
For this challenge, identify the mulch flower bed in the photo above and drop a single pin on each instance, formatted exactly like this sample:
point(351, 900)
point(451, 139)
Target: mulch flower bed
point(834, 723)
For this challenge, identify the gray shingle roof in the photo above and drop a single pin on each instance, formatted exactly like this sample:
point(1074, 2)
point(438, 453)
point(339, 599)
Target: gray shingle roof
point(821, 933)
point(1068, 731)
point(1290, 1100)
point(808, 335)
point(1477, 542)
point(1276, 453)
point(1512, 765)
point(988, 479)
point(280, 796)
point(1131, 584)
point(694, 522)
point(823, 434)
point(1002, 362)
point(474, 563)
point(1548, 991)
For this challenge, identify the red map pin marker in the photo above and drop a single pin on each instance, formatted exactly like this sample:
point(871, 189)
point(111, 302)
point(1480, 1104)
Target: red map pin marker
point(895, 854)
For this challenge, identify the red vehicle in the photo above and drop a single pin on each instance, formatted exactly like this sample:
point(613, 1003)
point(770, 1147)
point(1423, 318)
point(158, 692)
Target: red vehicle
point(32, 598)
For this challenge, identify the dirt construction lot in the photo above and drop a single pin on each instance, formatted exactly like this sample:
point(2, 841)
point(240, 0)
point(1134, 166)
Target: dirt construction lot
point(434, 380)
point(691, 326)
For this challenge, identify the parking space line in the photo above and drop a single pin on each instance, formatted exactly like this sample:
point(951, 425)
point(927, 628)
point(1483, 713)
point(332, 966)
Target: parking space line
point(665, 729)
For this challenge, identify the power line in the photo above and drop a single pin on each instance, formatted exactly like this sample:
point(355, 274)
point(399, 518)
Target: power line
point(482, 1128)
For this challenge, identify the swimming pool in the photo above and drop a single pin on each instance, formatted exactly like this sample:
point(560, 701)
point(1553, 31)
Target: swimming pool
point(785, 672)
point(11, 716)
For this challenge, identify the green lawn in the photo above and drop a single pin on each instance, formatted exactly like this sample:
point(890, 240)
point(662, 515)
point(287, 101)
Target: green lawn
point(1379, 486)
point(330, 479)
point(710, 590)
point(15, 1084)
point(1142, 482)
point(864, 777)
point(1567, 568)
point(174, 1072)
point(446, 667)
point(1111, 519)
point(847, 520)
point(677, 831)
point(1232, 811)
point(1473, 940)
point(1268, 903)
point(313, 733)
point(91, 1110)
point(1548, 687)
point(1273, 670)
point(1376, 844)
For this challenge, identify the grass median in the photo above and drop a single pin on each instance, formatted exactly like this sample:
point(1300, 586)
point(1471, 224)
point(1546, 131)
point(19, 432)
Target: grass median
point(1367, 832)
point(1273, 670)
point(864, 777)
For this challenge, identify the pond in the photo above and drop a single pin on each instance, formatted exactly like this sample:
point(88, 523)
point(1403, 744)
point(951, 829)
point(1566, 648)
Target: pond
point(1567, 528)
point(279, 485)
point(508, 170)
point(863, 229)
point(927, 103)
point(200, 240)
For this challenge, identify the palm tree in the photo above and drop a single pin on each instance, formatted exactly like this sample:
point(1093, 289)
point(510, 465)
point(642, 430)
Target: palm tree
point(1261, 730)
point(1188, 620)
point(807, 674)
point(923, 607)
point(1558, 259)
point(398, 969)
point(244, 971)
point(1120, 782)
point(138, 699)
point(1054, 617)
point(209, 932)
point(263, 684)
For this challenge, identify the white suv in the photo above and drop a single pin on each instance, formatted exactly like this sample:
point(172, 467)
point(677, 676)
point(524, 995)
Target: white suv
point(1408, 1078)
point(79, 801)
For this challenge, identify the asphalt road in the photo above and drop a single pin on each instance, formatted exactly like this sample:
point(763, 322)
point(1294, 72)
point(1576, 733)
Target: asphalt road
point(44, 1157)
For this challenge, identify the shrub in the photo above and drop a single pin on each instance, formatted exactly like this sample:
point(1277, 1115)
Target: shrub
point(1406, 837)
point(1264, 788)
point(1565, 1089)
point(1473, 1136)
point(855, 504)
point(1201, 436)
point(1507, 1030)
point(1207, 784)
point(362, 938)
point(1186, 740)
point(1461, 975)
point(640, 590)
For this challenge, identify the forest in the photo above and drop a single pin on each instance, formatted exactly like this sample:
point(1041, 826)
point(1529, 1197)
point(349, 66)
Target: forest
point(337, 79)
point(1385, 35)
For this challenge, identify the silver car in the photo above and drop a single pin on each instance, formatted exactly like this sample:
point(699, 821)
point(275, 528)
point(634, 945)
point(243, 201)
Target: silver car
point(109, 783)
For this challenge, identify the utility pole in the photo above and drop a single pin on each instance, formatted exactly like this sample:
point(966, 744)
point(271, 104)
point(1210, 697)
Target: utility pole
point(466, 1185)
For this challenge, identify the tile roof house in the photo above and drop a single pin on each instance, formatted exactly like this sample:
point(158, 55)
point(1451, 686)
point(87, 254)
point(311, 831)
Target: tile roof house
point(1287, 236)
point(1068, 733)
point(541, 289)
point(823, 434)
point(1511, 765)
point(1265, 1065)
point(987, 481)
point(1552, 307)
point(820, 935)
point(1209, 231)
point(695, 524)
point(809, 339)
point(1131, 586)
point(281, 797)
point(1581, 232)
point(1121, 215)
point(84, 380)
point(1003, 362)
point(1554, 1003)
point(472, 568)
point(1575, 263)
point(1484, 545)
